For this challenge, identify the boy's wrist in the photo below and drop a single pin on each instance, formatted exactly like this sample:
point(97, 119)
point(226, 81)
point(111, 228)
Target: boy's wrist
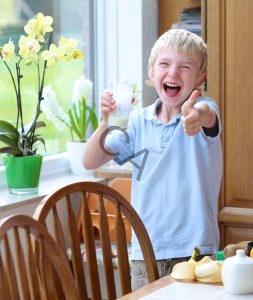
point(104, 122)
point(206, 115)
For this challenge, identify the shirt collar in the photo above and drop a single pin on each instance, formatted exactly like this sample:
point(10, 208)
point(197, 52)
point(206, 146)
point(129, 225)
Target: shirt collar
point(150, 113)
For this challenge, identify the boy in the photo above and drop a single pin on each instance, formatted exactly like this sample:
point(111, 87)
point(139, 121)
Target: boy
point(176, 148)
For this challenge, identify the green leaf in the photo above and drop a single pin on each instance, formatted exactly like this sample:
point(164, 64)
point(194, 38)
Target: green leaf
point(81, 116)
point(11, 150)
point(82, 119)
point(40, 124)
point(9, 135)
point(74, 126)
point(8, 128)
point(93, 117)
point(8, 140)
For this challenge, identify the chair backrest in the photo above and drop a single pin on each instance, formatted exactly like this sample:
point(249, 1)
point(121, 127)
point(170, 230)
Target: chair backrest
point(120, 184)
point(123, 186)
point(32, 265)
point(76, 195)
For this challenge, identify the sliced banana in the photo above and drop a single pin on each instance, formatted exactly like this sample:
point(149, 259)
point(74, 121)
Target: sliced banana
point(207, 269)
point(206, 259)
point(216, 277)
point(183, 270)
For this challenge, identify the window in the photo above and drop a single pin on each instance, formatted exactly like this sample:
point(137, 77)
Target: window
point(71, 19)
point(115, 35)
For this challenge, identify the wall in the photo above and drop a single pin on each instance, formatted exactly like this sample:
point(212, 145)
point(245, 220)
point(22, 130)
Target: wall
point(149, 35)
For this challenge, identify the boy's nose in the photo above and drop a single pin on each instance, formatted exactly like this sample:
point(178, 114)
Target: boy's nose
point(173, 70)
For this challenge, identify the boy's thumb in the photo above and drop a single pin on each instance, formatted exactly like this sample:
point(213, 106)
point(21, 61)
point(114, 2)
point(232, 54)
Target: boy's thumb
point(189, 104)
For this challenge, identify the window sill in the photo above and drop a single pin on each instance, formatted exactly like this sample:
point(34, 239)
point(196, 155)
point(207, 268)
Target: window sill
point(55, 173)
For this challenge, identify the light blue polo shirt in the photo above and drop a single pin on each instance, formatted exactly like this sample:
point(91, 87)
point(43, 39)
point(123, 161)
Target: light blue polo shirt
point(176, 182)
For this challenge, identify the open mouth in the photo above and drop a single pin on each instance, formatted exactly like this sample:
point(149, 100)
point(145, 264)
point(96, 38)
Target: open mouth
point(171, 89)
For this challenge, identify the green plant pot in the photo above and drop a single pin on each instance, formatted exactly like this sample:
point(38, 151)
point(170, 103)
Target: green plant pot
point(23, 173)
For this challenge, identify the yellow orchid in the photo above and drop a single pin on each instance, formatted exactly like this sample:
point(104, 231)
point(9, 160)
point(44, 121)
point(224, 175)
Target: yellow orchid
point(45, 22)
point(39, 26)
point(53, 55)
point(69, 45)
point(28, 47)
point(77, 54)
point(66, 51)
point(8, 50)
point(34, 49)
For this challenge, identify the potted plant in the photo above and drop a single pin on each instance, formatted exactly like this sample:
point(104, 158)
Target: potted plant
point(36, 51)
point(80, 118)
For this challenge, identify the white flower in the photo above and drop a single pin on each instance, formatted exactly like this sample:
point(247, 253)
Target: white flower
point(82, 88)
point(52, 109)
point(80, 116)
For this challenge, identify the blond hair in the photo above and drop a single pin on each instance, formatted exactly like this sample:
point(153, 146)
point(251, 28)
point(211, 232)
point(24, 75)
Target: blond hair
point(186, 43)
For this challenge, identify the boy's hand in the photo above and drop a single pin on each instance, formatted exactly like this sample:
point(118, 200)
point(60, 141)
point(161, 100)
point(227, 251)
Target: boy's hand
point(190, 115)
point(107, 104)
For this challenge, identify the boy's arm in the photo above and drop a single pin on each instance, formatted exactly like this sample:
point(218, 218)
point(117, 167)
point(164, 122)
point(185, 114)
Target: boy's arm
point(95, 154)
point(208, 119)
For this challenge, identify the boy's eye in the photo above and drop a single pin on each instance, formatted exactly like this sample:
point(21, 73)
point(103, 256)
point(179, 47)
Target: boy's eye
point(185, 67)
point(164, 63)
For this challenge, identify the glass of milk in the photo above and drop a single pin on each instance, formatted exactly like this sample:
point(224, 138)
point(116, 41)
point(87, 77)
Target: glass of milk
point(122, 94)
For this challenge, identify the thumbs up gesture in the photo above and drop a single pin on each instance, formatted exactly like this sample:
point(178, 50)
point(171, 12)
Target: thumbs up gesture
point(190, 115)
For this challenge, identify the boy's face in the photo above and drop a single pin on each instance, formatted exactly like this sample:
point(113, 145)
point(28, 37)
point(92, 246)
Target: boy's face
point(174, 76)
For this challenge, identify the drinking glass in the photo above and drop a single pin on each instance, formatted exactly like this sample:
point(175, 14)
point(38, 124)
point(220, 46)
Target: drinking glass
point(122, 94)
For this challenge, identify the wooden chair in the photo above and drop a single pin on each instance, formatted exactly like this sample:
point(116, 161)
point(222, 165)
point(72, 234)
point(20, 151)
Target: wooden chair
point(29, 272)
point(76, 194)
point(123, 186)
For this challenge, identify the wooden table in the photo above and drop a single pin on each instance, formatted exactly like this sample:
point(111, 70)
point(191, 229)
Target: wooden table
point(149, 288)
point(168, 288)
point(113, 171)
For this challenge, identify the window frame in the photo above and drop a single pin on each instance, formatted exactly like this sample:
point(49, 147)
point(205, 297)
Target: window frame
point(138, 20)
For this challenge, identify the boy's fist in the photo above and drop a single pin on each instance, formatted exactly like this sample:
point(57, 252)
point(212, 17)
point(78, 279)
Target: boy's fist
point(188, 106)
point(190, 115)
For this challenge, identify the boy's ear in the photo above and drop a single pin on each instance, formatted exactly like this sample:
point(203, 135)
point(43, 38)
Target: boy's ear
point(151, 74)
point(201, 80)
